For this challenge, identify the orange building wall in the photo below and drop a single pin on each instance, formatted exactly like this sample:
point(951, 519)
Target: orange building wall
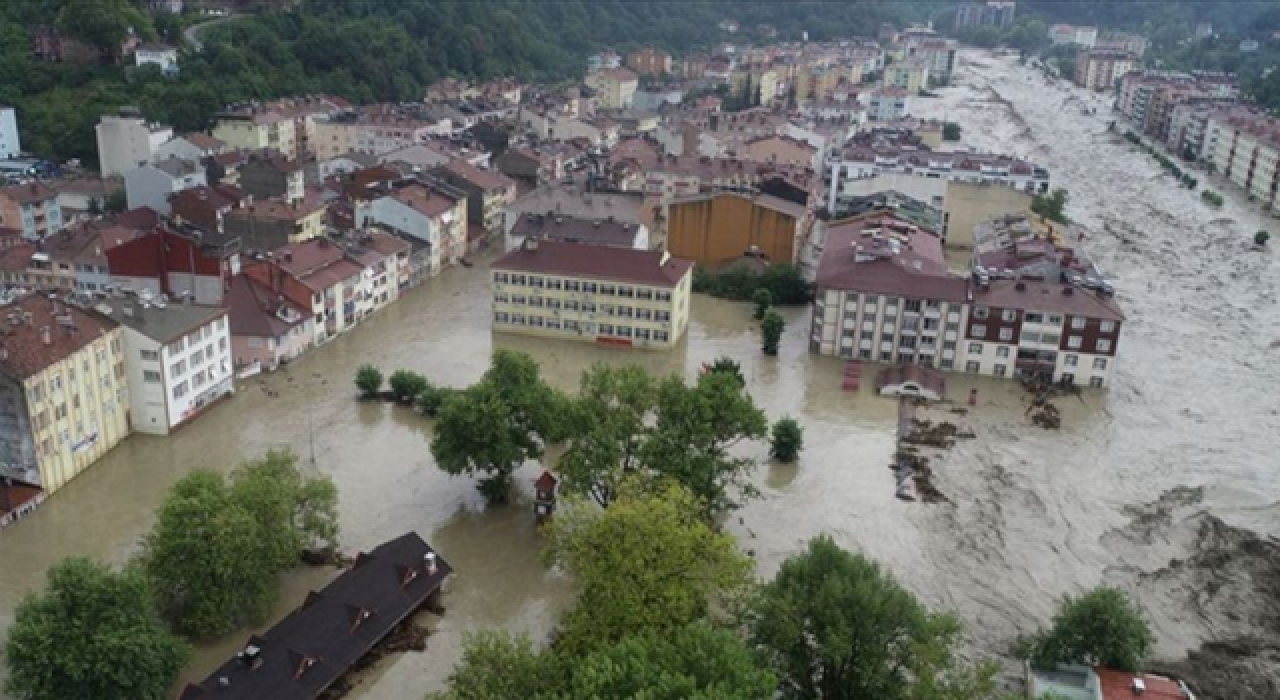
point(714, 231)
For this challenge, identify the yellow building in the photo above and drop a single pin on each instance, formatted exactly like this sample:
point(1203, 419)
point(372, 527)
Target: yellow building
point(64, 399)
point(911, 75)
point(256, 130)
point(592, 293)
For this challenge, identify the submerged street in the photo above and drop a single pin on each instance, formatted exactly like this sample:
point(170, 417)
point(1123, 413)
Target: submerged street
point(1186, 438)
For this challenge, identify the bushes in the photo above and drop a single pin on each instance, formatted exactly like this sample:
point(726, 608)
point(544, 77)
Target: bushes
point(1211, 198)
point(1260, 238)
point(771, 332)
point(787, 440)
point(785, 284)
point(950, 131)
point(407, 386)
point(762, 298)
point(368, 380)
point(1164, 161)
point(1051, 206)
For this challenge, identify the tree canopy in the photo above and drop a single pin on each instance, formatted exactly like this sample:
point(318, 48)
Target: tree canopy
point(91, 634)
point(1100, 628)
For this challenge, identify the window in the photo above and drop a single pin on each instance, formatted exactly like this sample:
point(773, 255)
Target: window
point(222, 344)
point(978, 329)
point(948, 363)
point(1071, 361)
point(1029, 337)
point(642, 334)
point(149, 355)
point(973, 367)
point(608, 290)
point(910, 324)
point(554, 283)
point(501, 298)
point(1033, 317)
point(1009, 315)
point(1055, 320)
point(535, 302)
point(606, 329)
point(571, 325)
point(1078, 322)
point(1104, 345)
point(932, 305)
point(537, 282)
point(626, 312)
point(623, 331)
point(911, 305)
point(501, 317)
point(518, 280)
point(176, 347)
point(517, 319)
point(1107, 326)
point(1074, 342)
point(588, 307)
point(197, 380)
point(180, 390)
point(518, 300)
point(570, 305)
point(589, 287)
point(1100, 363)
point(553, 324)
point(660, 336)
point(553, 303)
point(644, 294)
point(1002, 352)
point(571, 285)
point(886, 356)
point(662, 315)
point(208, 352)
point(1050, 338)
point(980, 312)
point(644, 314)
point(975, 348)
point(1000, 370)
point(907, 342)
point(663, 296)
point(626, 292)
point(178, 367)
point(1006, 334)
point(952, 326)
point(1096, 382)
point(536, 321)
point(931, 324)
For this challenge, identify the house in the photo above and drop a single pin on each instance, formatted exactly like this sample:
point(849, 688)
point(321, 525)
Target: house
point(1076, 682)
point(430, 212)
point(911, 75)
point(1069, 34)
point(75, 258)
point(649, 61)
point(628, 207)
point(64, 393)
point(386, 266)
point(423, 156)
point(488, 192)
point(152, 185)
point(1101, 69)
point(268, 173)
point(604, 60)
point(267, 224)
point(593, 293)
point(552, 226)
point(193, 146)
point(316, 276)
point(780, 149)
point(178, 358)
point(32, 209)
point(267, 330)
point(126, 141)
point(256, 128)
point(10, 144)
point(78, 196)
point(180, 262)
point(615, 87)
point(320, 642)
point(889, 104)
point(716, 228)
point(206, 207)
point(342, 164)
point(162, 55)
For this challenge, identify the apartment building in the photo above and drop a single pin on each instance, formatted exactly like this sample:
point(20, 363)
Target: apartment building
point(268, 224)
point(1189, 126)
point(10, 143)
point(177, 262)
point(718, 228)
point(615, 87)
point(178, 358)
point(1099, 69)
point(488, 192)
point(64, 393)
point(126, 140)
point(555, 226)
point(1071, 34)
point(32, 209)
point(1146, 98)
point(375, 131)
point(889, 104)
point(1244, 147)
point(433, 213)
point(602, 294)
point(266, 174)
point(316, 276)
point(154, 184)
point(994, 13)
point(254, 129)
point(911, 75)
point(649, 61)
point(267, 330)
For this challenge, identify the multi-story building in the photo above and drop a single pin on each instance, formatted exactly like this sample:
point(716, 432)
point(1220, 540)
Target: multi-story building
point(376, 132)
point(270, 223)
point(649, 61)
point(32, 209)
point(317, 276)
point(152, 185)
point(554, 226)
point(64, 393)
point(940, 54)
point(267, 330)
point(1245, 147)
point(604, 60)
point(1071, 34)
point(715, 229)
point(1146, 98)
point(593, 293)
point(266, 174)
point(488, 192)
point(884, 294)
point(1189, 126)
point(433, 213)
point(1100, 69)
point(911, 75)
point(994, 13)
point(615, 87)
point(10, 144)
point(176, 262)
point(889, 104)
point(178, 358)
point(126, 141)
point(256, 128)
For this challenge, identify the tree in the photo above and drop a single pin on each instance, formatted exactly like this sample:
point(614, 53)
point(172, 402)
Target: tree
point(1261, 237)
point(727, 365)
point(1052, 207)
point(93, 633)
point(763, 299)
point(368, 380)
point(834, 626)
point(950, 131)
point(406, 385)
point(95, 207)
point(651, 562)
point(610, 417)
point(117, 202)
point(788, 440)
point(498, 666)
point(497, 424)
point(1100, 628)
point(297, 512)
point(102, 23)
point(432, 398)
point(771, 332)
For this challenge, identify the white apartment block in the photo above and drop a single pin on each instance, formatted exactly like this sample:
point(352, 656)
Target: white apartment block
point(845, 170)
point(126, 141)
point(10, 144)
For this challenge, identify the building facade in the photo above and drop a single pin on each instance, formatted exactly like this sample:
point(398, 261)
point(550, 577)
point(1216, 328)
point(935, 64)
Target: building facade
point(719, 228)
point(126, 141)
point(10, 143)
point(1100, 69)
point(32, 209)
point(592, 293)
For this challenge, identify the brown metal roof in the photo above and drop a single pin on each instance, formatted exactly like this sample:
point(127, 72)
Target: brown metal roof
point(646, 267)
point(24, 352)
point(1049, 297)
point(29, 193)
point(914, 268)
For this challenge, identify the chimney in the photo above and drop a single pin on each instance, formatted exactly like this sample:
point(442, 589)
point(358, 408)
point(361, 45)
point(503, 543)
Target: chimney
point(45, 336)
point(1139, 686)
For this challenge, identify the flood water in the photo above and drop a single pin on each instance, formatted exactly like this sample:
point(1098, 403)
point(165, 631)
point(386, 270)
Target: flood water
point(1035, 514)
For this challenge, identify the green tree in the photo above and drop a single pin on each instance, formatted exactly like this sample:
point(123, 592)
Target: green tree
point(1053, 206)
point(103, 23)
point(117, 202)
point(771, 332)
point(432, 398)
point(93, 633)
point(407, 385)
point(950, 131)
point(95, 207)
point(650, 562)
point(787, 440)
point(1100, 628)
point(368, 380)
point(727, 365)
point(763, 299)
point(610, 416)
point(1261, 237)
point(834, 626)
point(296, 513)
point(497, 424)
point(498, 666)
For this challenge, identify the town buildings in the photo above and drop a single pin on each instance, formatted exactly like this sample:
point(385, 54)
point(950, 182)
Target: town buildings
point(267, 330)
point(1244, 147)
point(152, 185)
point(615, 87)
point(593, 293)
point(178, 359)
point(488, 193)
point(1147, 98)
point(64, 393)
point(994, 13)
point(161, 55)
point(10, 143)
point(554, 226)
point(176, 262)
point(719, 228)
point(649, 61)
point(268, 173)
point(32, 208)
point(1100, 69)
point(126, 141)
point(1070, 34)
point(433, 213)
point(267, 224)
point(911, 75)
point(316, 276)
point(889, 104)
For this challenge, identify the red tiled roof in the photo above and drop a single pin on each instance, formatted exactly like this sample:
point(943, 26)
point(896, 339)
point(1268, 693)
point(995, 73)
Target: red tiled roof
point(1050, 297)
point(331, 275)
point(142, 218)
point(17, 257)
point(423, 200)
point(24, 351)
point(204, 141)
point(597, 262)
point(484, 179)
point(252, 309)
point(1118, 685)
point(301, 258)
point(29, 193)
point(916, 271)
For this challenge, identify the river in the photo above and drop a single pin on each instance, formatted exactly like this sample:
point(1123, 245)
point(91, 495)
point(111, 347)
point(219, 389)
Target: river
point(1034, 514)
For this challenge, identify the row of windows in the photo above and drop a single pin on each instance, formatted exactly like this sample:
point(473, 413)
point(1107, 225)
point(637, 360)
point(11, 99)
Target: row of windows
point(1009, 315)
point(571, 285)
point(1098, 363)
point(570, 326)
point(1074, 342)
point(909, 323)
point(1003, 371)
point(638, 313)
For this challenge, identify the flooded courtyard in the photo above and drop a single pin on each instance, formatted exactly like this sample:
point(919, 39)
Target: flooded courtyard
point(1183, 444)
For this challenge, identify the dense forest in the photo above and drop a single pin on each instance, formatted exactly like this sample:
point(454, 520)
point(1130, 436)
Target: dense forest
point(380, 50)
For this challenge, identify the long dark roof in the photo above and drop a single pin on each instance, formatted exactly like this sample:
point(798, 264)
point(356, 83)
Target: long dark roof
point(317, 643)
point(650, 267)
point(572, 229)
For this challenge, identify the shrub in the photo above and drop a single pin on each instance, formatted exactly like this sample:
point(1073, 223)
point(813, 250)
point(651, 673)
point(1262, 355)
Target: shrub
point(787, 440)
point(950, 131)
point(771, 332)
point(1211, 198)
point(368, 380)
point(785, 283)
point(1261, 238)
point(406, 385)
point(432, 398)
point(762, 298)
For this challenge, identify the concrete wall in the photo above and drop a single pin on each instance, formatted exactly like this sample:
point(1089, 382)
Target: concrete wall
point(716, 230)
